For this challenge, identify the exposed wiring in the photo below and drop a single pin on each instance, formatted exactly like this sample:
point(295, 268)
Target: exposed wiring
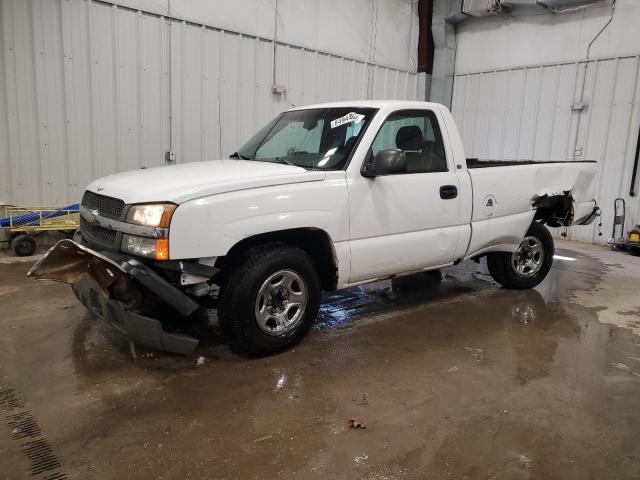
point(613, 11)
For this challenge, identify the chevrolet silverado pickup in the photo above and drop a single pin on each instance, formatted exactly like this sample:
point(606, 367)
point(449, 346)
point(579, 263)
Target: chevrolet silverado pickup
point(324, 197)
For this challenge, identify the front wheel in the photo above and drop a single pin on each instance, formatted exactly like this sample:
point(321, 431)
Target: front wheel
point(528, 265)
point(269, 300)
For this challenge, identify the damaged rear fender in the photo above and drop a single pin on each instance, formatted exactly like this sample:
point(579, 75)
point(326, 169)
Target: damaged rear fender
point(558, 208)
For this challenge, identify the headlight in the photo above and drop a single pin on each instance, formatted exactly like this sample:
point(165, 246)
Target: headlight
point(156, 216)
point(151, 215)
point(157, 248)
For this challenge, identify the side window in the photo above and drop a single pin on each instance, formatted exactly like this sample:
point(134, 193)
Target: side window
point(417, 133)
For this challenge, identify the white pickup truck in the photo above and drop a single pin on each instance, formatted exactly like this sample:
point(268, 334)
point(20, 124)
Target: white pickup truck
point(324, 197)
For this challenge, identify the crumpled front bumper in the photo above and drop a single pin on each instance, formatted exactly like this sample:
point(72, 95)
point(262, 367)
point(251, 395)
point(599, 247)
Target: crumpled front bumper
point(144, 330)
point(110, 286)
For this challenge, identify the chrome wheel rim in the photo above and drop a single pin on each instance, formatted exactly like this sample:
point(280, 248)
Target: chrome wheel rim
point(281, 302)
point(528, 259)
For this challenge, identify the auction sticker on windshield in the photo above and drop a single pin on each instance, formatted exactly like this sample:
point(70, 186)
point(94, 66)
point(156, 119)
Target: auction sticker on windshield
point(348, 118)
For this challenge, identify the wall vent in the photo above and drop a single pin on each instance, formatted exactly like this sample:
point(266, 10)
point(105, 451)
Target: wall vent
point(481, 8)
point(556, 6)
point(560, 6)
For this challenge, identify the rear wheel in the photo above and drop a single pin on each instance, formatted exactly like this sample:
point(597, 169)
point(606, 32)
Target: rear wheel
point(24, 245)
point(269, 300)
point(528, 265)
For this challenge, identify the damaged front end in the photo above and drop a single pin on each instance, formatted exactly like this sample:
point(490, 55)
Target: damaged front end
point(113, 287)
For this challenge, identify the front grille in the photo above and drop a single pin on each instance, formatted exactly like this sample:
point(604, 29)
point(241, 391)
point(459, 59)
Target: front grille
point(106, 206)
point(99, 234)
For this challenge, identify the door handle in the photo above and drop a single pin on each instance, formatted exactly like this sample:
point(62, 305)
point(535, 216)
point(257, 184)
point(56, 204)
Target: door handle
point(447, 192)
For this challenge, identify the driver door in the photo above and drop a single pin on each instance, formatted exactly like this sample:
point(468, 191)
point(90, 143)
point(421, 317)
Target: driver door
point(407, 221)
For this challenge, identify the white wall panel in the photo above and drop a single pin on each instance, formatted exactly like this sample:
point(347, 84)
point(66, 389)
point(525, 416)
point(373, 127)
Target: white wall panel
point(89, 88)
point(558, 143)
point(383, 32)
point(525, 113)
point(25, 125)
point(513, 114)
point(160, 7)
point(255, 17)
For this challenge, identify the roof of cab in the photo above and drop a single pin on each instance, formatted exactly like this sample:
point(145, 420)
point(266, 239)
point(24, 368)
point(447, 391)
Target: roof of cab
point(369, 104)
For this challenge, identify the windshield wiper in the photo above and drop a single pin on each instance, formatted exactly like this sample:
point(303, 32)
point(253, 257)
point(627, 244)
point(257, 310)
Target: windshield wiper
point(277, 159)
point(239, 156)
point(284, 160)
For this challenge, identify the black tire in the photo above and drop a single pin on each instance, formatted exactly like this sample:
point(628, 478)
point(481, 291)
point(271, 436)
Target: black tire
point(503, 270)
point(239, 298)
point(24, 245)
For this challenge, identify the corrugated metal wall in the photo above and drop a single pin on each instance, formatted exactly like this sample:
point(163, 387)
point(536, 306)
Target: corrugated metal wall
point(525, 113)
point(88, 89)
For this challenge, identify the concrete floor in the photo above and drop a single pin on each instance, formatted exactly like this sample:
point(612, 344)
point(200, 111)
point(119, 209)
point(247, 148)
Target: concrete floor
point(454, 379)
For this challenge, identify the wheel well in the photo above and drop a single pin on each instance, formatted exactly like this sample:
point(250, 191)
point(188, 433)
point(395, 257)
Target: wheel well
point(554, 210)
point(315, 242)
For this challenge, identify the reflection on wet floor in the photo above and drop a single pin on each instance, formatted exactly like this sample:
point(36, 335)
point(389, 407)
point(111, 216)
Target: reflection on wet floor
point(344, 307)
point(523, 315)
point(340, 308)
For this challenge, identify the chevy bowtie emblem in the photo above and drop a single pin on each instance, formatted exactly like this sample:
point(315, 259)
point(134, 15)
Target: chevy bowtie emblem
point(95, 212)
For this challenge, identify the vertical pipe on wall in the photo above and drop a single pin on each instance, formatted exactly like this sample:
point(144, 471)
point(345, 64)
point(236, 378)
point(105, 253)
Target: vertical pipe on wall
point(631, 123)
point(140, 66)
point(220, 96)
point(634, 173)
point(168, 156)
point(92, 60)
point(425, 43)
point(275, 40)
point(117, 88)
point(444, 55)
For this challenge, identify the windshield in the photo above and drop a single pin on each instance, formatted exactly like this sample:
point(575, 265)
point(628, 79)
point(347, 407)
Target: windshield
point(317, 139)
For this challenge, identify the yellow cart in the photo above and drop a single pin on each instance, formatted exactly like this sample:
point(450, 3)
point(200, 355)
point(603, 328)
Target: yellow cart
point(26, 223)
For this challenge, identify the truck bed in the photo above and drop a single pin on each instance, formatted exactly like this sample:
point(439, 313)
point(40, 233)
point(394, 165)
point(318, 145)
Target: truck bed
point(502, 199)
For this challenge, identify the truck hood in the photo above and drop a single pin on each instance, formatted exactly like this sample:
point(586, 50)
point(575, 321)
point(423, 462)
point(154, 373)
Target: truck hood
point(180, 183)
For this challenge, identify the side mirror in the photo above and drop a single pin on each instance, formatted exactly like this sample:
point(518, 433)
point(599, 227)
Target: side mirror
point(386, 162)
